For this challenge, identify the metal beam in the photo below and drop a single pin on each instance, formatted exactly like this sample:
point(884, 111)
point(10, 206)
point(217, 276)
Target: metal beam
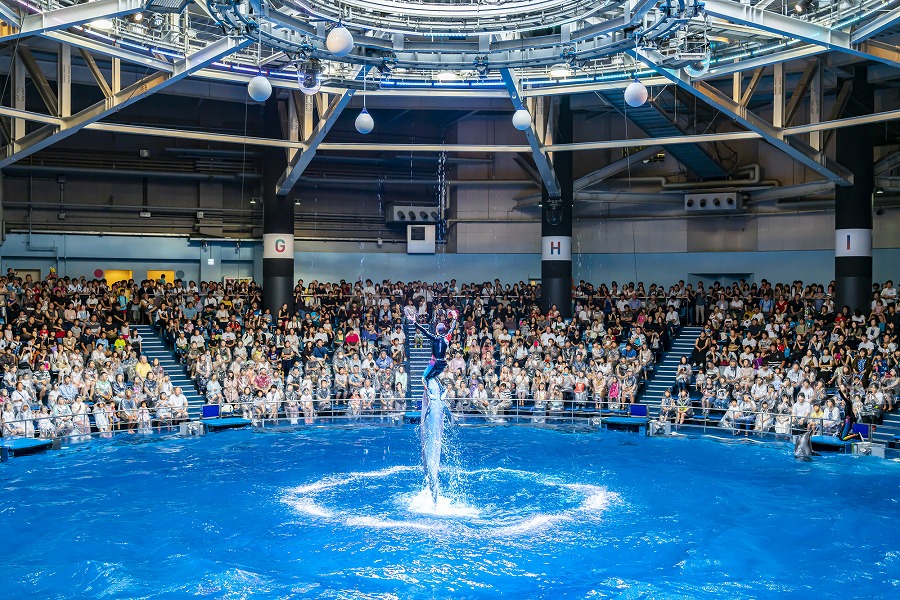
point(50, 134)
point(69, 16)
point(815, 108)
point(95, 72)
point(616, 167)
point(885, 21)
point(812, 188)
point(800, 91)
point(777, 96)
point(9, 14)
point(772, 22)
point(301, 160)
point(888, 163)
point(64, 80)
point(541, 160)
point(78, 41)
point(751, 87)
point(837, 109)
point(225, 138)
point(794, 148)
point(728, 68)
point(17, 126)
point(40, 80)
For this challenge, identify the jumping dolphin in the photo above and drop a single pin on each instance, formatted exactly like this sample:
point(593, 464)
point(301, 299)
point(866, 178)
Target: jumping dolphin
point(802, 445)
point(432, 433)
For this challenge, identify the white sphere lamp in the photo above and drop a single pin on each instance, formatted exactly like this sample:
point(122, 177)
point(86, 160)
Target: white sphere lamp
point(521, 119)
point(339, 41)
point(636, 94)
point(364, 122)
point(259, 88)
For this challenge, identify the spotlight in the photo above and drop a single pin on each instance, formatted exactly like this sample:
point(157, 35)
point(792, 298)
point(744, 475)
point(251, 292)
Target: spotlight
point(401, 215)
point(424, 215)
point(805, 6)
point(136, 17)
point(560, 72)
point(309, 77)
point(434, 216)
point(412, 216)
point(554, 213)
point(447, 76)
point(101, 24)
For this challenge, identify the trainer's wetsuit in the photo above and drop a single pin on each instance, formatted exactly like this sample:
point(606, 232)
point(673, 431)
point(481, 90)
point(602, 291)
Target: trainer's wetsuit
point(439, 346)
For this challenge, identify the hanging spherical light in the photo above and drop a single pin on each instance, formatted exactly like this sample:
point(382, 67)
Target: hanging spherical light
point(364, 122)
point(521, 119)
point(339, 41)
point(259, 88)
point(636, 94)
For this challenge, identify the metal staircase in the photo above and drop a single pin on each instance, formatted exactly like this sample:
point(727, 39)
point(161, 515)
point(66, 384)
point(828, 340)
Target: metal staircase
point(663, 377)
point(889, 431)
point(153, 347)
point(650, 119)
point(418, 357)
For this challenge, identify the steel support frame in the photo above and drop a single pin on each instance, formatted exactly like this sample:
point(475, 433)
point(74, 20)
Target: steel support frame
point(124, 129)
point(10, 15)
point(327, 117)
point(817, 161)
point(69, 16)
point(875, 26)
point(799, 92)
point(614, 167)
point(778, 24)
point(538, 153)
point(44, 90)
point(47, 135)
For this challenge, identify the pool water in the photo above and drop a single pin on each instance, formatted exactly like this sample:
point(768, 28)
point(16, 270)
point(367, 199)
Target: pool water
point(527, 513)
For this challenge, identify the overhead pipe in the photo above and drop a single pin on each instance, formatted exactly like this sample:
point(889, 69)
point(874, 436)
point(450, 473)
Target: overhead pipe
point(62, 170)
point(754, 179)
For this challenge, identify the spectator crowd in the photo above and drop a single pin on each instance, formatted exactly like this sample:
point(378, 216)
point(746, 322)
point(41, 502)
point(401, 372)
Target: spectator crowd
point(771, 356)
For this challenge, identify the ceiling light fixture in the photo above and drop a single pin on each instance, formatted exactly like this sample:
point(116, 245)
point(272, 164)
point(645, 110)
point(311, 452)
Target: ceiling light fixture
point(364, 122)
point(636, 94)
point(101, 24)
point(521, 119)
point(560, 72)
point(339, 41)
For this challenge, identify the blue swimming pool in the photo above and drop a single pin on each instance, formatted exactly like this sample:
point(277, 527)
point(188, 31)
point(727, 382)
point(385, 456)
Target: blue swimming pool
point(530, 513)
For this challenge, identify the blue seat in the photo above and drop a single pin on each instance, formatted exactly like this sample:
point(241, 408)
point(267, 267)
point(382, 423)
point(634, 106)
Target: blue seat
point(210, 411)
point(638, 410)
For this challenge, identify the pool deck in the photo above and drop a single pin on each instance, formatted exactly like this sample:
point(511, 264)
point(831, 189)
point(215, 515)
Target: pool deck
point(594, 421)
point(21, 446)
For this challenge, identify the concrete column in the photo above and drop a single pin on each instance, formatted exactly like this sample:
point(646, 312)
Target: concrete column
point(854, 149)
